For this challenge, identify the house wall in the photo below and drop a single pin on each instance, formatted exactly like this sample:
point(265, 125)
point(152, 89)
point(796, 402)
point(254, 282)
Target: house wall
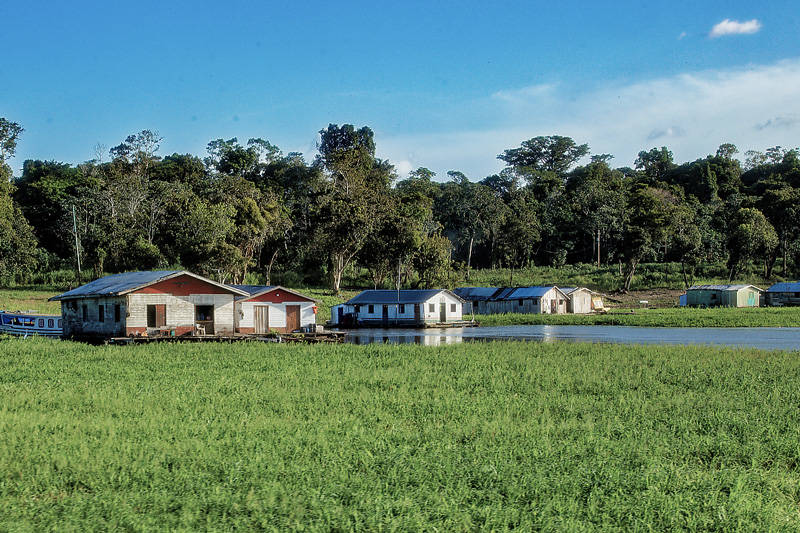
point(407, 317)
point(180, 310)
point(783, 298)
point(245, 315)
point(580, 302)
point(747, 297)
point(74, 325)
point(541, 305)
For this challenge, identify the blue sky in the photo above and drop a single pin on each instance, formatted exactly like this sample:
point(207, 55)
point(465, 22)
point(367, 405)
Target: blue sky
point(446, 85)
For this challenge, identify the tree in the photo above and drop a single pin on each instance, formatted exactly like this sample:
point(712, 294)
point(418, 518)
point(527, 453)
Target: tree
point(655, 164)
point(554, 153)
point(9, 133)
point(751, 237)
point(358, 183)
point(650, 210)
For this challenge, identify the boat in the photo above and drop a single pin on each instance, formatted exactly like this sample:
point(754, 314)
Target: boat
point(27, 323)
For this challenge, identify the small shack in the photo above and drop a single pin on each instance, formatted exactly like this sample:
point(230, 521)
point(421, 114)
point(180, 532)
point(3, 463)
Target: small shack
point(475, 298)
point(784, 294)
point(582, 301)
point(163, 302)
point(382, 308)
point(273, 308)
point(529, 300)
point(722, 296)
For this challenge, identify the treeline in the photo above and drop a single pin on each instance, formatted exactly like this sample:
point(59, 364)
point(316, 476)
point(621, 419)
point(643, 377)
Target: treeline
point(248, 211)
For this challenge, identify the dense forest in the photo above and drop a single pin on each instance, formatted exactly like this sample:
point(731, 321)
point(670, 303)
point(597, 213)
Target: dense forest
point(247, 211)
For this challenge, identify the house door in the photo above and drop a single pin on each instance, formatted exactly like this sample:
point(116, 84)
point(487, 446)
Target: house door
point(442, 312)
point(554, 306)
point(261, 318)
point(385, 315)
point(341, 316)
point(204, 317)
point(292, 317)
point(417, 313)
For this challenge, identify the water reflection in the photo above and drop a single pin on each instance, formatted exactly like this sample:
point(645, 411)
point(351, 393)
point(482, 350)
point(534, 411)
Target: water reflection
point(763, 338)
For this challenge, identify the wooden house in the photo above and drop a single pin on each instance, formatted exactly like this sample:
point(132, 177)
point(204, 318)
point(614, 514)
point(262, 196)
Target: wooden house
point(783, 294)
point(399, 308)
point(582, 300)
point(165, 302)
point(529, 300)
point(475, 298)
point(723, 296)
point(273, 308)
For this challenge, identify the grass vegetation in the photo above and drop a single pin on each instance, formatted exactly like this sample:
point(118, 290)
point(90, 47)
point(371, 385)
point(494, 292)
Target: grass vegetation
point(476, 436)
point(688, 317)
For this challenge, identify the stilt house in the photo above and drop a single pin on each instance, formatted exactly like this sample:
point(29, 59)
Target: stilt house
point(273, 308)
point(395, 308)
point(723, 296)
point(784, 294)
point(164, 302)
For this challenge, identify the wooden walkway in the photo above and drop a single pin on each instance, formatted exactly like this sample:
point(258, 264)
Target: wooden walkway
point(327, 337)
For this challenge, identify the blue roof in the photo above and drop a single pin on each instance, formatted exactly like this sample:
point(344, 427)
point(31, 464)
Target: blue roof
point(474, 294)
point(786, 286)
point(406, 296)
point(522, 293)
point(502, 294)
point(119, 284)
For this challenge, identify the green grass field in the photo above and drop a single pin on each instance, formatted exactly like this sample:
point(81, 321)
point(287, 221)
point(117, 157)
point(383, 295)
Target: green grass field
point(490, 436)
point(673, 317)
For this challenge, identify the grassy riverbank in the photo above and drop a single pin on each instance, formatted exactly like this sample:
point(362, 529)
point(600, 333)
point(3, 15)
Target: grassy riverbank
point(672, 317)
point(492, 436)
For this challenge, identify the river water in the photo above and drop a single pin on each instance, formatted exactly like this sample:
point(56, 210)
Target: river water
point(762, 338)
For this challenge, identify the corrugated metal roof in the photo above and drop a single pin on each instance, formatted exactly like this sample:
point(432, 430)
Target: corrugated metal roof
point(475, 294)
point(785, 286)
point(253, 289)
point(407, 296)
point(118, 284)
point(521, 293)
point(719, 287)
point(570, 290)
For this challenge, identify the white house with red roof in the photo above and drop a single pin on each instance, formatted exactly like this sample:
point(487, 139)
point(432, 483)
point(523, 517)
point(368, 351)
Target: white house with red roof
point(273, 308)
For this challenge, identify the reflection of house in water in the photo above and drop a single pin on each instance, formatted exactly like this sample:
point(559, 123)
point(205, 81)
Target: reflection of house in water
point(379, 337)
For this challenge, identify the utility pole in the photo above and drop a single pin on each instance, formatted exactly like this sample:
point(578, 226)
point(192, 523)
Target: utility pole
point(397, 315)
point(77, 246)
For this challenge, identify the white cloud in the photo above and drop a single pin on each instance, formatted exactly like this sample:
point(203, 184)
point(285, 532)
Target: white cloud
point(682, 35)
point(734, 27)
point(691, 113)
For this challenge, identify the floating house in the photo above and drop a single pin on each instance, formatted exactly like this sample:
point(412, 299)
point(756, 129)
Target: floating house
point(783, 294)
point(273, 308)
point(399, 308)
point(476, 298)
point(723, 296)
point(529, 300)
point(165, 302)
point(582, 301)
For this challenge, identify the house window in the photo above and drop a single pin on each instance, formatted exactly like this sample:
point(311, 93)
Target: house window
point(520, 303)
point(358, 308)
point(41, 322)
point(797, 295)
point(535, 301)
point(371, 309)
point(452, 308)
point(432, 308)
point(85, 313)
point(101, 313)
point(116, 313)
point(402, 309)
point(59, 323)
point(73, 305)
point(50, 323)
point(156, 316)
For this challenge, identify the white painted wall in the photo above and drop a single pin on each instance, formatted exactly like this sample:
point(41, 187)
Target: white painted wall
point(394, 313)
point(245, 315)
